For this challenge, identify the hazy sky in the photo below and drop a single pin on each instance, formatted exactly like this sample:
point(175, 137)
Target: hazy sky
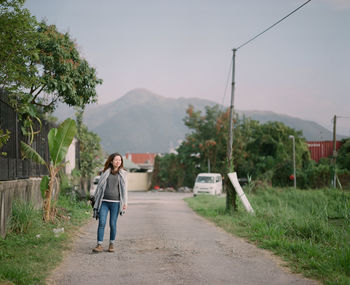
point(183, 48)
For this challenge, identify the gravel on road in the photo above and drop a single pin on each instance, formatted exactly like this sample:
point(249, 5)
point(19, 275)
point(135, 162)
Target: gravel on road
point(160, 240)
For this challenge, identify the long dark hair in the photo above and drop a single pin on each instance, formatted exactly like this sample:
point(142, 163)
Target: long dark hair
point(109, 160)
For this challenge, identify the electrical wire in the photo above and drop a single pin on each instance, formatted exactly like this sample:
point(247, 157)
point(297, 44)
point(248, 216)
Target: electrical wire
point(253, 38)
point(227, 80)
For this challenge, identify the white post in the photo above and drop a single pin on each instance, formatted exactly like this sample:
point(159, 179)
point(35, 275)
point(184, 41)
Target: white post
point(234, 180)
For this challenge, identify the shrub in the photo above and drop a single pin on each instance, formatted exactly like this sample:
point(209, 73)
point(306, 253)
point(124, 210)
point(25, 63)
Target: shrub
point(344, 178)
point(22, 217)
point(315, 176)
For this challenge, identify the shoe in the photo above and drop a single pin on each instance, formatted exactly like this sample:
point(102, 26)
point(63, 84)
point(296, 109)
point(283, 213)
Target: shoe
point(98, 248)
point(111, 247)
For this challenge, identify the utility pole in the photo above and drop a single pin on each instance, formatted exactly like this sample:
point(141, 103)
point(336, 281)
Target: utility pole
point(334, 182)
point(294, 169)
point(230, 192)
point(229, 145)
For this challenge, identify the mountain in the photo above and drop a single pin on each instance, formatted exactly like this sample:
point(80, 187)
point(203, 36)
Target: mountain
point(142, 121)
point(312, 131)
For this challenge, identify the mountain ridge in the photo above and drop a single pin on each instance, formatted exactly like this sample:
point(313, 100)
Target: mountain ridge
point(143, 121)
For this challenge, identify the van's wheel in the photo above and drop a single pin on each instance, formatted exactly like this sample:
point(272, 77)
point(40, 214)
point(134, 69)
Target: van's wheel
point(194, 195)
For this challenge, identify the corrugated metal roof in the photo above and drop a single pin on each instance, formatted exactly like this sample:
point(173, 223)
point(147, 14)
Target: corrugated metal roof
point(141, 158)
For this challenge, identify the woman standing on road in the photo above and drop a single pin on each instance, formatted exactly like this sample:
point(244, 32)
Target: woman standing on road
point(111, 196)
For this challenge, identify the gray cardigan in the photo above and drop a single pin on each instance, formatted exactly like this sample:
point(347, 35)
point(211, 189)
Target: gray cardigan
point(101, 186)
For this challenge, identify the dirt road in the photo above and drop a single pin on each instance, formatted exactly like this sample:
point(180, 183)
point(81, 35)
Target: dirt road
point(161, 241)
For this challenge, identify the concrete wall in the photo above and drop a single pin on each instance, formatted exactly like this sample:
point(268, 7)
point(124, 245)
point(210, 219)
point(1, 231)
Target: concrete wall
point(70, 156)
point(139, 181)
point(25, 189)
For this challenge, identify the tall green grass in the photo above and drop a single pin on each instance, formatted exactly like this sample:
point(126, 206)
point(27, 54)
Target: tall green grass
point(310, 229)
point(23, 217)
point(31, 249)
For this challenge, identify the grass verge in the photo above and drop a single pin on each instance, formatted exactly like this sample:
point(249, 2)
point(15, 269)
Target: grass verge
point(31, 248)
point(310, 229)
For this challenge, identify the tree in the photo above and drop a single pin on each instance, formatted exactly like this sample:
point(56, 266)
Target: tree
point(40, 66)
point(155, 181)
point(90, 149)
point(208, 137)
point(59, 141)
point(269, 153)
point(261, 151)
point(207, 141)
point(57, 73)
point(18, 39)
point(17, 42)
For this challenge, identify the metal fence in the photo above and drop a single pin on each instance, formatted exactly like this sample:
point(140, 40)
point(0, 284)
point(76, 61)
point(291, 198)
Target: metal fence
point(12, 166)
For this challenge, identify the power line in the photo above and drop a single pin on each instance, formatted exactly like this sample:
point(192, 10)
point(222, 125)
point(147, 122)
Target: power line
point(253, 38)
point(227, 81)
point(247, 42)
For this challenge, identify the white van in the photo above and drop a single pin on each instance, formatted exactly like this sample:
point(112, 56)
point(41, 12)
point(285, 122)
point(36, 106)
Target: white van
point(94, 185)
point(208, 183)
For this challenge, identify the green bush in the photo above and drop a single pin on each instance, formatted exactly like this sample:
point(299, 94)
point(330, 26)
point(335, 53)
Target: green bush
point(314, 176)
point(343, 159)
point(344, 178)
point(281, 174)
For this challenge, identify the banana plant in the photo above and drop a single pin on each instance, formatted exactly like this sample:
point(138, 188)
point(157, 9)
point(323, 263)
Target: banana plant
point(59, 140)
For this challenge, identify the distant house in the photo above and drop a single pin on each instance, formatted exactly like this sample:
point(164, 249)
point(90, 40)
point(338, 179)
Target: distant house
point(320, 149)
point(143, 160)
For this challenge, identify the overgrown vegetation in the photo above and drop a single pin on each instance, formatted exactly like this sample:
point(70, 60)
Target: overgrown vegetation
point(262, 152)
point(31, 248)
point(310, 229)
point(40, 66)
point(59, 141)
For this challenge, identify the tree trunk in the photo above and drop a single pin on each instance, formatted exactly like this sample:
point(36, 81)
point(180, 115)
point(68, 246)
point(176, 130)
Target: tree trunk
point(47, 204)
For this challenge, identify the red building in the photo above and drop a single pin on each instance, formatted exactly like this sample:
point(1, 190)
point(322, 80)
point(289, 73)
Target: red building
point(144, 160)
point(319, 149)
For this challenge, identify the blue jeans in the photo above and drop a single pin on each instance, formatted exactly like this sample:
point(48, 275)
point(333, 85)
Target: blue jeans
point(113, 208)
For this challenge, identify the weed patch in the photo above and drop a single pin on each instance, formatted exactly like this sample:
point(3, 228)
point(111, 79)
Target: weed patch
point(310, 229)
point(31, 248)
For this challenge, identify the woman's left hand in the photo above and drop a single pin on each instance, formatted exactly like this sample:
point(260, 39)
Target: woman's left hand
point(124, 207)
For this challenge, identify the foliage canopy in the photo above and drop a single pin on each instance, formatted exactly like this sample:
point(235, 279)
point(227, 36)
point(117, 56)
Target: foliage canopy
point(40, 66)
point(263, 151)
